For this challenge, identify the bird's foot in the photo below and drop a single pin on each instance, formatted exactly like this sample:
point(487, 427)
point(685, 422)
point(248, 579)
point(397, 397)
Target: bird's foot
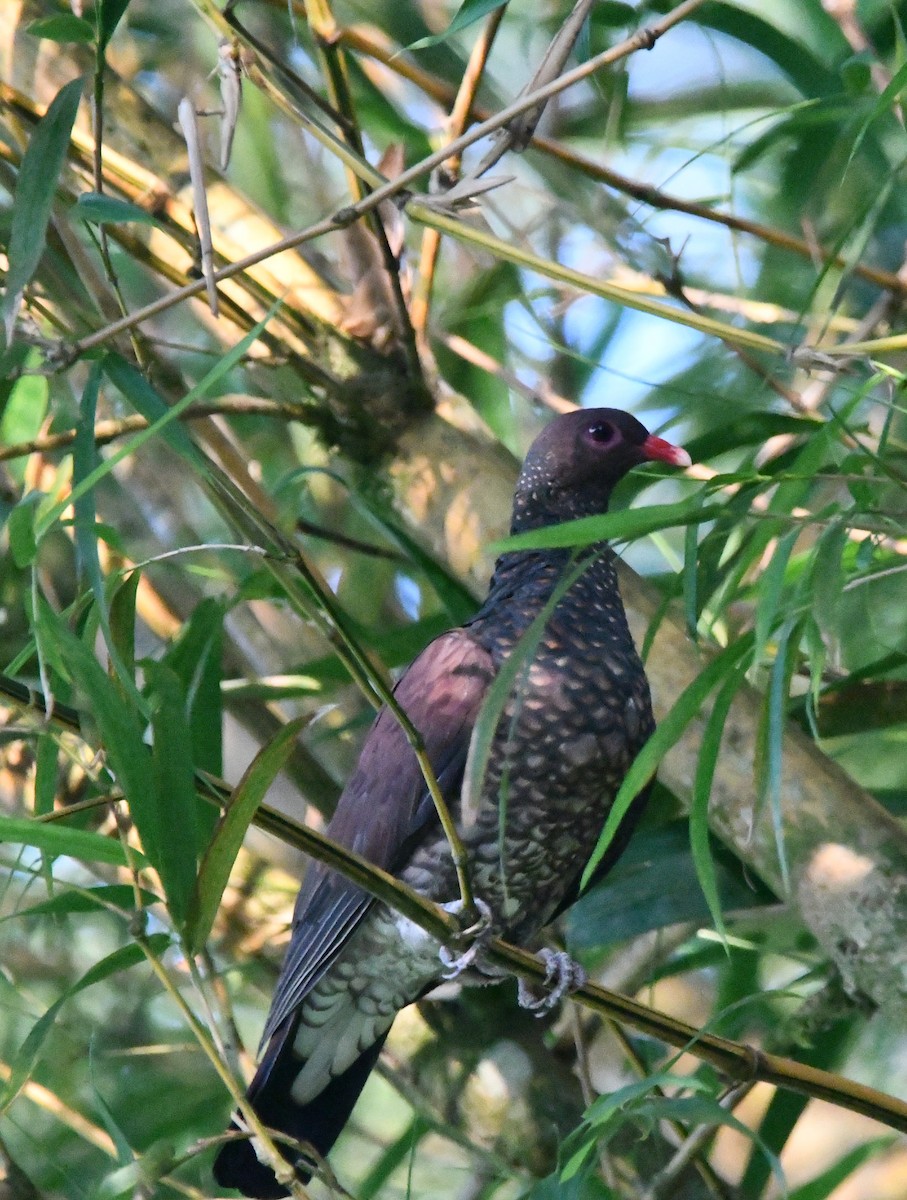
point(563, 975)
point(477, 935)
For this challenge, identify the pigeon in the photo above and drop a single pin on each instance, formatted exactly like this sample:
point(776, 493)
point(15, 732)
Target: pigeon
point(566, 733)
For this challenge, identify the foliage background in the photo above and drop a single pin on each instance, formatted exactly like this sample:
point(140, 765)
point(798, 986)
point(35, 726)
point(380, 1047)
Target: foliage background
point(700, 232)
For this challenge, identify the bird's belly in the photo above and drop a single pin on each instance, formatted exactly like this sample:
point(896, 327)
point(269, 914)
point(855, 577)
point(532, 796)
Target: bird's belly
point(543, 803)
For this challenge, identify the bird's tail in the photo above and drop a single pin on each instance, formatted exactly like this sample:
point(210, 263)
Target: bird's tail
point(317, 1123)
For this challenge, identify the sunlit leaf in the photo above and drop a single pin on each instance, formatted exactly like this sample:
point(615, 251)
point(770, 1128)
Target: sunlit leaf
point(57, 838)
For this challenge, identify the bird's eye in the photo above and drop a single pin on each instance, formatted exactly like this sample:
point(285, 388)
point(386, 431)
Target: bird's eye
point(601, 433)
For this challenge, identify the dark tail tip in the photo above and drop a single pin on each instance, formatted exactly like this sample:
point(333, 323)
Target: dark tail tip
point(317, 1123)
point(237, 1166)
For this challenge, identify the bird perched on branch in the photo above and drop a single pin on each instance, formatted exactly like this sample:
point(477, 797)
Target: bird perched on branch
point(565, 733)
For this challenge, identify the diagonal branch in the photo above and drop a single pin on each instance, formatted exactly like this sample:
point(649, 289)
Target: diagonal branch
point(735, 1059)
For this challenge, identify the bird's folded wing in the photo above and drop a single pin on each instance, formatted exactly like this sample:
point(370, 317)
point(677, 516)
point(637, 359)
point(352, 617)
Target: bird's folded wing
point(386, 809)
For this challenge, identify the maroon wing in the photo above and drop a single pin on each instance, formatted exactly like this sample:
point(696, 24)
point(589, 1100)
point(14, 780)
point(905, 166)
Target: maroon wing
point(385, 808)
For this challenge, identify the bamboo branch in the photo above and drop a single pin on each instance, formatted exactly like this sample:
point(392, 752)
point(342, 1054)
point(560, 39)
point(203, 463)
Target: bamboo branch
point(734, 1059)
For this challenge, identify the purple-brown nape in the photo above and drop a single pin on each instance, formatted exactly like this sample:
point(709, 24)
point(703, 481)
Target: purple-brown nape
point(656, 449)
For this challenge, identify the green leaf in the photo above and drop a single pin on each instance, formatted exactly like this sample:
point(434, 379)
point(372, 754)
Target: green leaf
point(776, 713)
point(121, 729)
point(704, 1110)
point(822, 1186)
point(221, 853)
point(196, 658)
point(828, 576)
point(771, 586)
point(53, 837)
point(82, 900)
point(109, 210)
point(653, 885)
point(24, 1060)
point(709, 749)
point(618, 526)
point(110, 13)
point(173, 777)
point(468, 13)
point(65, 27)
point(606, 1106)
point(46, 769)
point(668, 732)
point(883, 104)
point(36, 183)
point(20, 526)
point(122, 619)
point(84, 461)
point(23, 416)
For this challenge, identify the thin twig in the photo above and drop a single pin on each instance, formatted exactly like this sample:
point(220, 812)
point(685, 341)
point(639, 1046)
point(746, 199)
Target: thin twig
point(518, 134)
point(109, 430)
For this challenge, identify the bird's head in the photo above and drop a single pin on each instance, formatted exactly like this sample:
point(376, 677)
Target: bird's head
point(576, 461)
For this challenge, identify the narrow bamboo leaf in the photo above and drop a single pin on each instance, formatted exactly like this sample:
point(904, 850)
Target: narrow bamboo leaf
point(41, 165)
point(224, 847)
point(705, 1110)
point(779, 687)
point(883, 104)
point(709, 749)
point(108, 210)
point(27, 1055)
point(56, 838)
point(125, 1153)
point(690, 579)
point(467, 14)
point(20, 526)
point(174, 787)
point(66, 27)
point(828, 576)
point(824, 1184)
point(627, 1097)
point(121, 732)
point(771, 586)
point(617, 526)
point(661, 741)
point(25, 410)
point(110, 13)
point(83, 900)
point(196, 658)
point(148, 403)
point(575, 1164)
point(122, 619)
point(84, 460)
point(395, 1154)
point(45, 775)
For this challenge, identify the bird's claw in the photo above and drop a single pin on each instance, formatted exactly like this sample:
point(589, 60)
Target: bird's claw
point(478, 934)
point(563, 975)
